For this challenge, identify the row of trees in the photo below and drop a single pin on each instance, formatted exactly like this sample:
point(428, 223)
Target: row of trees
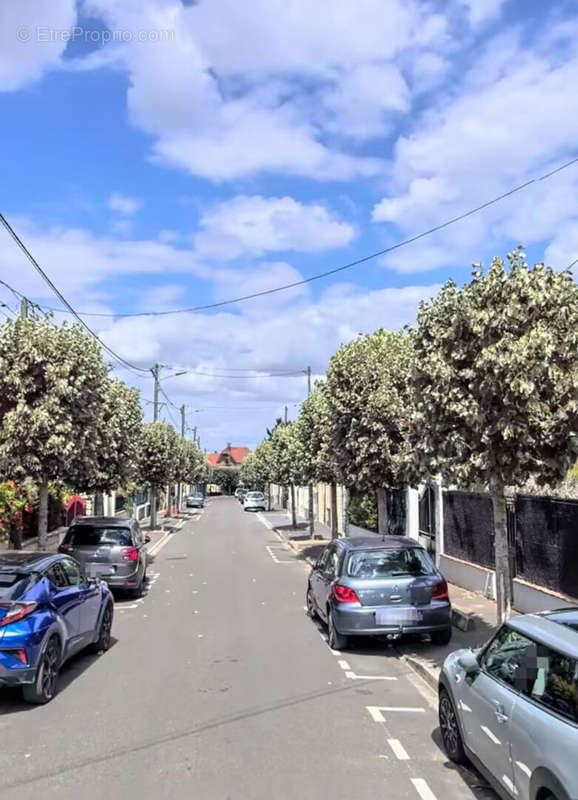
point(482, 393)
point(65, 421)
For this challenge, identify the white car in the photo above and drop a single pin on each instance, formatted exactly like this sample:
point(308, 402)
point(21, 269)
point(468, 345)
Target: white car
point(254, 501)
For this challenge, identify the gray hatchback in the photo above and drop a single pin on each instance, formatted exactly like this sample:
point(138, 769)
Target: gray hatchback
point(109, 548)
point(511, 707)
point(378, 586)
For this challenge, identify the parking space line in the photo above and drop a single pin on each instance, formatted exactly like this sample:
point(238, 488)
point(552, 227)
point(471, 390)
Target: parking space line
point(422, 788)
point(344, 665)
point(355, 677)
point(376, 712)
point(274, 557)
point(399, 750)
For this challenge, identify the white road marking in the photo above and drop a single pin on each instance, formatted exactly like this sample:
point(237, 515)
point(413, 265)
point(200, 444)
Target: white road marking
point(424, 689)
point(159, 545)
point(355, 677)
point(491, 736)
point(123, 608)
point(422, 788)
point(376, 712)
point(274, 557)
point(344, 665)
point(350, 675)
point(399, 750)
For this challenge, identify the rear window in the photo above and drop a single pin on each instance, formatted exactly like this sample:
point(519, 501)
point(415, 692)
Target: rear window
point(14, 584)
point(93, 535)
point(389, 563)
point(255, 495)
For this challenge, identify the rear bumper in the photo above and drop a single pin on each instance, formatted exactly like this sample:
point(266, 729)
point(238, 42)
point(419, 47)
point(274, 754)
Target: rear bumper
point(122, 581)
point(363, 621)
point(16, 677)
point(259, 507)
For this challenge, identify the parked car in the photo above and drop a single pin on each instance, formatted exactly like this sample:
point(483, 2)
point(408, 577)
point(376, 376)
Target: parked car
point(240, 494)
point(378, 586)
point(511, 707)
point(110, 548)
point(49, 611)
point(254, 501)
point(195, 500)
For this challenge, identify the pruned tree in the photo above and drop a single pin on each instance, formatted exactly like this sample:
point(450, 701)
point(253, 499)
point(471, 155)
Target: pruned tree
point(286, 460)
point(370, 407)
point(313, 434)
point(159, 458)
point(51, 390)
point(227, 478)
point(497, 382)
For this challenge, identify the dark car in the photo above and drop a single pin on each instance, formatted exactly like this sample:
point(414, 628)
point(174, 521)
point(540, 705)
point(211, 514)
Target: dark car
point(195, 500)
point(109, 548)
point(49, 611)
point(378, 586)
point(240, 494)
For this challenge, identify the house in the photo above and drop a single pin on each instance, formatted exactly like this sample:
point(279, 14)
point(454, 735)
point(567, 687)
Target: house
point(228, 457)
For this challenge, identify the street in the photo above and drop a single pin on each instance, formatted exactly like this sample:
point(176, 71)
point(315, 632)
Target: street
point(219, 686)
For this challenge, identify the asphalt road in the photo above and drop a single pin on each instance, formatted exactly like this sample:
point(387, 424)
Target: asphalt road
point(219, 687)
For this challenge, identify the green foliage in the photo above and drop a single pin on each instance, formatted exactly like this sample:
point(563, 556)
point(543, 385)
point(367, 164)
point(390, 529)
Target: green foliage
point(362, 510)
point(370, 407)
point(497, 376)
point(312, 431)
point(225, 477)
point(192, 465)
point(159, 454)
point(250, 473)
point(286, 455)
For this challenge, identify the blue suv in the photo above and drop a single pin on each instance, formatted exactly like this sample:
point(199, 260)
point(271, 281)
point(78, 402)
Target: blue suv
point(49, 611)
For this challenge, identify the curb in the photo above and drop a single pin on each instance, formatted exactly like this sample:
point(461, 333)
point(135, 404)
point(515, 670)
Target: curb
point(462, 620)
point(428, 674)
point(295, 549)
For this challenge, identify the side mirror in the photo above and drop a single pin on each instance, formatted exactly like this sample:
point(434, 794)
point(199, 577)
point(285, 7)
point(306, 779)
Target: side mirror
point(147, 539)
point(91, 581)
point(468, 661)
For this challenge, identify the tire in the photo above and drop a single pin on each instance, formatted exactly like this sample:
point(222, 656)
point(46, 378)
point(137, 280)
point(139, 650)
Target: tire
point(442, 637)
point(310, 602)
point(44, 687)
point(450, 729)
point(102, 644)
point(138, 591)
point(335, 640)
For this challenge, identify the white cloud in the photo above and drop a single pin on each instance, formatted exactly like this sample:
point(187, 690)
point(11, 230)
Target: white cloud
point(32, 39)
point(254, 225)
point(123, 204)
point(481, 11)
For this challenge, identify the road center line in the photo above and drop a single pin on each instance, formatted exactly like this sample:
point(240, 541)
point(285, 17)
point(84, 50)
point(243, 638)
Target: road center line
point(423, 789)
point(399, 750)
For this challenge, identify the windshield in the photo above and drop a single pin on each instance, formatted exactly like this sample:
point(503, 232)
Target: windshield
point(14, 584)
point(93, 535)
point(389, 563)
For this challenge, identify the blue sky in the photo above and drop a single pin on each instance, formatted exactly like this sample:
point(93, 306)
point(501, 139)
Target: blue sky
point(158, 155)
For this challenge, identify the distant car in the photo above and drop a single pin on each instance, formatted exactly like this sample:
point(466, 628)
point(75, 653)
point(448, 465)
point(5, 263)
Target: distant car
point(511, 707)
point(110, 548)
point(195, 500)
point(240, 494)
point(49, 611)
point(378, 586)
point(254, 501)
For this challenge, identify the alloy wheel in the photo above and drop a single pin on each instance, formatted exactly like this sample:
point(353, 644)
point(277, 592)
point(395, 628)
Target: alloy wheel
point(449, 726)
point(49, 671)
point(106, 627)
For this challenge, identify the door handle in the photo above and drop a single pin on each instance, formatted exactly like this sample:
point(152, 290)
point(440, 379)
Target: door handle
point(501, 715)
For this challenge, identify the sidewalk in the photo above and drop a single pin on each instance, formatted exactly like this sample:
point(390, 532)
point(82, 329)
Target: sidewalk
point(473, 616)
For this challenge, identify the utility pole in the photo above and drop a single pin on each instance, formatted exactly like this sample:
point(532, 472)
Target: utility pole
point(285, 415)
point(179, 487)
point(310, 487)
point(195, 435)
point(155, 372)
point(24, 308)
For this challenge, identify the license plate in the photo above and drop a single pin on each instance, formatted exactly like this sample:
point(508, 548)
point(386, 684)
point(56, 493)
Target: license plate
point(397, 616)
point(98, 571)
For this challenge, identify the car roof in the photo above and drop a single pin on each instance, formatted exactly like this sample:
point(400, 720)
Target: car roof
point(551, 628)
point(378, 542)
point(25, 561)
point(111, 522)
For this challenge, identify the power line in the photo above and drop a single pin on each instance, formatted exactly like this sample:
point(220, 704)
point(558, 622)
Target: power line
point(241, 377)
point(61, 297)
point(344, 267)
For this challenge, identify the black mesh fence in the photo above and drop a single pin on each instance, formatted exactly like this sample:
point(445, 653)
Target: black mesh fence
point(469, 527)
point(547, 542)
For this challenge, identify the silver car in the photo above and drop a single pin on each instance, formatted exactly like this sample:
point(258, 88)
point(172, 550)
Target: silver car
point(511, 707)
point(254, 501)
point(378, 586)
point(195, 500)
point(109, 548)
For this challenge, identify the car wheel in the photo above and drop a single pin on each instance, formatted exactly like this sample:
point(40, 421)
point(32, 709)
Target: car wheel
point(138, 591)
point(311, 609)
point(336, 640)
point(450, 729)
point(103, 642)
point(442, 637)
point(44, 687)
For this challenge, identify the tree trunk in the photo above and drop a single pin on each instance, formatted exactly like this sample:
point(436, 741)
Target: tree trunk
point(334, 520)
point(99, 504)
point(42, 514)
point(153, 507)
point(169, 500)
point(311, 512)
point(382, 520)
point(503, 572)
point(269, 497)
point(16, 537)
point(293, 514)
point(179, 499)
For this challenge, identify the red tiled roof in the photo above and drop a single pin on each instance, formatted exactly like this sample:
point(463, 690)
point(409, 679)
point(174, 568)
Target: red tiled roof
point(212, 458)
point(239, 454)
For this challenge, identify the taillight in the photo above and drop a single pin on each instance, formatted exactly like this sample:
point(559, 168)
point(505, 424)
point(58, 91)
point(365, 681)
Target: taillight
point(344, 594)
point(129, 554)
point(65, 548)
point(440, 590)
point(16, 611)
